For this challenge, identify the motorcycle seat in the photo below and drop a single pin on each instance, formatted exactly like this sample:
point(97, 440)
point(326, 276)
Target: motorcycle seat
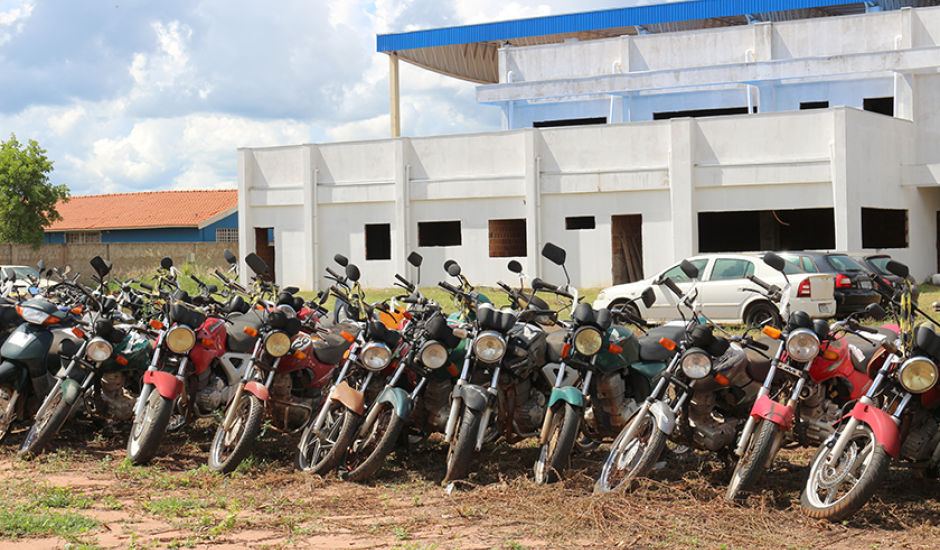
point(757, 364)
point(555, 341)
point(868, 350)
point(652, 350)
point(331, 348)
point(238, 341)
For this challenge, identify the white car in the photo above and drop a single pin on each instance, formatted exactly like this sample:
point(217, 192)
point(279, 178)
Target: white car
point(22, 274)
point(720, 283)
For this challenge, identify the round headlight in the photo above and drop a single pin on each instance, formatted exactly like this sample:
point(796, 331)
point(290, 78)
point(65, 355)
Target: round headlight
point(98, 350)
point(918, 374)
point(180, 339)
point(375, 356)
point(696, 363)
point(433, 355)
point(489, 347)
point(277, 344)
point(588, 340)
point(802, 345)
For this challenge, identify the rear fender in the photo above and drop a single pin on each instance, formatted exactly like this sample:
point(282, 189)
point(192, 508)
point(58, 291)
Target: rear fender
point(350, 398)
point(882, 425)
point(70, 389)
point(765, 407)
point(474, 396)
point(568, 394)
point(168, 385)
point(399, 400)
point(665, 418)
point(258, 389)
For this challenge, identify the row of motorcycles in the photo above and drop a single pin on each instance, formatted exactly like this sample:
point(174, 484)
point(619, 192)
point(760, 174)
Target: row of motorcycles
point(357, 383)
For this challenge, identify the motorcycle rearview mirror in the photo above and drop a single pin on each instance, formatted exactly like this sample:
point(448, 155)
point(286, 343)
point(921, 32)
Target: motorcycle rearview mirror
point(290, 290)
point(256, 264)
point(648, 297)
point(515, 266)
point(101, 266)
point(452, 268)
point(554, 253)
point(166, 263)
point(41, 265)
point(211, 289)
point(415, 259)
point(341, 260)
point(352, 272)
point(897, 268)
point(323, 297)
point(875, 311)
point(230, 257)
point(689, 269)
point(774, 261)
point(9, 274)
point(66, 270)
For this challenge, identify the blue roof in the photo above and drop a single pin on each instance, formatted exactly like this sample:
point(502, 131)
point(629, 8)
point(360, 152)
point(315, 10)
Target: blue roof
point(590, 21)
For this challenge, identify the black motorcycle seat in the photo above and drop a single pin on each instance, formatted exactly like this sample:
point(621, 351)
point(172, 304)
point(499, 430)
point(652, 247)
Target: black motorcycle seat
point(758, 363)
point(331, 348)
point(238, 341)
point(652, 350)
point(555, 341)
point(868, 350)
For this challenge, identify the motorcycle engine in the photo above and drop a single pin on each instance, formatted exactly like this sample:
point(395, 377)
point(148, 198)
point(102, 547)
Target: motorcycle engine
point(818, 415)
point(286, 413)
point(922, 439)
point(710, 430)
point(530, 409)
point(213, 395)
point(437, 404)
point(119, 401)
point(610, 407)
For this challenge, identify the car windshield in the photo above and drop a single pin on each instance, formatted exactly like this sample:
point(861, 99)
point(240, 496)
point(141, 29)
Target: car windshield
point(880, 263)
point(792, 265)
point(843, 263)
point(23, 272)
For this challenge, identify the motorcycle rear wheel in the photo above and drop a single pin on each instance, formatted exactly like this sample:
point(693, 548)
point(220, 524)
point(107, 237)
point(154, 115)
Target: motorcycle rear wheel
point(756, 457)
point(556, 454)
point(381, 440)
point(230, 447)
point(148, 429)
point(631, 459)
point(863, 464)
point(461, 450)
point(46, 426)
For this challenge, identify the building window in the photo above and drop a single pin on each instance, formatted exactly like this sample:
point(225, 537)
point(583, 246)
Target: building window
point(579, 222)
point(696, 113)
point(569, 122)
point(379, 241)
point(751, 230)
point(507, 238)
point(806, 105)
point(439, 233)
point(884, 228)
point(226, 235)
point(881, 105)
point(82, 237)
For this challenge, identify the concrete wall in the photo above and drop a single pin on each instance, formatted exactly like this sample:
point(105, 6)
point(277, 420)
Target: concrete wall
point(158, 235)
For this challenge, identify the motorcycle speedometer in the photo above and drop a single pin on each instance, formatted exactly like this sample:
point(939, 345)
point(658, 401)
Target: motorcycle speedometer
point(802, 345)
point(696, 363)
point(98, 350)
point(917, 374)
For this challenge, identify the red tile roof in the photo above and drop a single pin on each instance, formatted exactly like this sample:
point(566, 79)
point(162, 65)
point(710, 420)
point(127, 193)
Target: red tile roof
point(147, 209)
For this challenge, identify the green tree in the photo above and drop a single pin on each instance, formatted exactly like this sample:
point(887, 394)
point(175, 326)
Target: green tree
point(27, 198)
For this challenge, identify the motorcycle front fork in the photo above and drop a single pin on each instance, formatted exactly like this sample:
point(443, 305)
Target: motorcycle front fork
point(236, 397)
point(154, 362)
point(559, 382)
point(764, 390)
point(456, 402)
point(325, 407)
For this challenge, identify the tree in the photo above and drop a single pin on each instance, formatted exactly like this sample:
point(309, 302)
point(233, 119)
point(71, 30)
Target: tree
point(27, 198)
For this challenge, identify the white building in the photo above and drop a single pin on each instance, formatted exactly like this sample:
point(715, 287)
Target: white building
point(703, 135)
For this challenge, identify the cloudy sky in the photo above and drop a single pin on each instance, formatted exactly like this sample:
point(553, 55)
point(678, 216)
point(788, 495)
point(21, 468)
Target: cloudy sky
point(142, 95)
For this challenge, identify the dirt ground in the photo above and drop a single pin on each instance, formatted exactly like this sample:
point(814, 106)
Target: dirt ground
point(83, 495)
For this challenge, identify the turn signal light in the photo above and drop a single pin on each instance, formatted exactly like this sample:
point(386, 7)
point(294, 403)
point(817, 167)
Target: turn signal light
point(347, 336)
point(250, 331)
point(121, 360)
point(300, 355)
point(667, 343)
point(771, 331)
point(615, 349)
point(721, 379)
point(78, 332)
point(830, 355)
point(452, 369)
point(406, 315)
point(77, 310)
point(207, 342)
point(156, 325)
point(565, 350)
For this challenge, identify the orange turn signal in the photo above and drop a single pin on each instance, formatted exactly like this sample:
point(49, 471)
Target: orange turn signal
point(771, 331)
point(156, 325)
point(721, 379)
point(406, 315)
point(207, 342)
point(121, 360)
point(346, 336)
point(830, 355)
point(78, 332)
point(565, 350)
point(77, 310)
point(667, 343)
point(614, 348)
point(300, 355)
point(452, 369)
point(250, 331)
point(346, 354)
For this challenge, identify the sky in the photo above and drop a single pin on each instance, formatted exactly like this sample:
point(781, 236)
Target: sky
point(141, 95)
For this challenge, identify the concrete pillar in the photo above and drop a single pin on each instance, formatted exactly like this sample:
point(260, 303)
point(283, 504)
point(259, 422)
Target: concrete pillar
point(532, 203)
point(311, 253)
point(401, 242)
point(394, 96)
point(681, 187)
point(246, 232)
point(904, 95)
point(847, 213)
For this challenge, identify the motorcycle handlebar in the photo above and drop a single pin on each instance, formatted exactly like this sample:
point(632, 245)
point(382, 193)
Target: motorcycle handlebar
point(757, 281)
point(539, 284)
point(196, 279)
point(671, 285)
point(146, 287)
point(333, 273)
point(406, 282)
point(221, 275)
point(759, 345)
point(449, 287)
point(339, 293)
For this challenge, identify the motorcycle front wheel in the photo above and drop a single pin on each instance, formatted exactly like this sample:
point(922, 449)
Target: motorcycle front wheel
point(633, 458)
point(8, 398)
point(461, 449)
point(756, 458)
point(835, 492)
point(148, 429)
point(230, 447)
point(555, 455)
point(45, 426)
point(320, 454)
point(368, 454)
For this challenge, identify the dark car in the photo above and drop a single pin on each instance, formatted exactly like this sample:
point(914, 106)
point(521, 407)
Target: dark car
point(853, 290)
point(876, 264)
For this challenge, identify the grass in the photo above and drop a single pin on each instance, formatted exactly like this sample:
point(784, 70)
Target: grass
point(23, 522)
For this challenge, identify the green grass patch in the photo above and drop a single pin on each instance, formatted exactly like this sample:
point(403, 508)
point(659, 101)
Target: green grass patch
point(62, 497)
point(173, 506)
point(25, 522)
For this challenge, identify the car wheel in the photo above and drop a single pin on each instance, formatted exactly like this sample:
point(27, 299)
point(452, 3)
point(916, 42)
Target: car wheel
point(760, 313)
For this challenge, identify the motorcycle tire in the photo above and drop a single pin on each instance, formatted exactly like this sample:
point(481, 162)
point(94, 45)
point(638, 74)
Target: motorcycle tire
point(756, 458)
point(391, 426)
point(460, 452)
point(650, 442)
point(7, 399)
point(148, 429)
point(556, 454)
point(869, 464)
point(46, 426)
point(340, 428)
point(225, 456)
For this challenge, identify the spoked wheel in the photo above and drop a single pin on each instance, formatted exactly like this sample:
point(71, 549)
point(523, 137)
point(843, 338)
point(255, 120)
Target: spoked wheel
point(837, 489)
point(319, 454)
point(230, 447)
point(461, 450)
point(45, 426)
point(633, 458)
point(366, 455)
point(8, 399)
point(756, 458)
point(555, 455)
point(148, 429)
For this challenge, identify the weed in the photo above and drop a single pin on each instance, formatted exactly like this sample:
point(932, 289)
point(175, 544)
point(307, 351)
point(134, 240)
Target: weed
point(173, 507)
point(401, 533)
point(23, 522)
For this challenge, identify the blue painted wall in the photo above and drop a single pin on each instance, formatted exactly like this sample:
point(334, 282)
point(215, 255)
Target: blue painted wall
point(157, 235)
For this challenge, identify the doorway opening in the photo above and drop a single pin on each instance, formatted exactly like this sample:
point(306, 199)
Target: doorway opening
point(264, 248)
point(626, 238)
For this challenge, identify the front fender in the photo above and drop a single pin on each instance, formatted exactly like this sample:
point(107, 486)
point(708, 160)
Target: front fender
point(257, 389)
point(473, 396)
point(350, 398)
point(168, 385)
point(70, 389)
point(665, 418)
point(399, 400)
point(765, 407)
point(568, 394)
point(11, 372)
point(881, 424)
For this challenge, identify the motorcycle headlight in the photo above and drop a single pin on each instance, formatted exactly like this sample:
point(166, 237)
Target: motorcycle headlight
point(802, 345)
point(696, 363)
point(917, 374)
point(433, 355)
point(98, 350)
point(277, 344)
point(33, 315)
point(375, 356)
point(588, 340)
point(489, 347)
point(180, 339)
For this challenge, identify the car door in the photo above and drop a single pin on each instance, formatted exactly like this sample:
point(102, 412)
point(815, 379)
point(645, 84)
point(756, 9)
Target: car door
point(664, 309)
point(720, 293)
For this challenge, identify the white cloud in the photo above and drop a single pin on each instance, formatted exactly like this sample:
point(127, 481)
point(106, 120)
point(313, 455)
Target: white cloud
point(64, 121)
point(12, 21)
